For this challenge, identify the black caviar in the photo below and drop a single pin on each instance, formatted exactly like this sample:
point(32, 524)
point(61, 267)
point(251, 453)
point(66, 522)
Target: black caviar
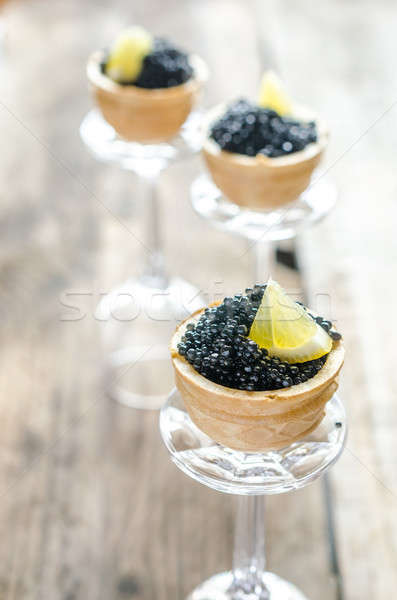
point(218, 348)
point(246, 128)
point(165, 66)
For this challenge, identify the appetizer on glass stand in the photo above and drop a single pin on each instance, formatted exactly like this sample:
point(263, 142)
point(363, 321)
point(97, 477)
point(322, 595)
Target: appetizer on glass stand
point(256, 371)
point(254, 413)
point(261, 157)
point(144, 86)
point(145, 89)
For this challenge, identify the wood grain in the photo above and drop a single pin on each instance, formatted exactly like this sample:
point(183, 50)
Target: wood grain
point(349, 262)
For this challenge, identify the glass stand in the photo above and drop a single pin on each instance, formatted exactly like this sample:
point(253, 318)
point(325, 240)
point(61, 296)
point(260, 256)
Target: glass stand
point(250, 476)
point(138, 318)
point(263, 228)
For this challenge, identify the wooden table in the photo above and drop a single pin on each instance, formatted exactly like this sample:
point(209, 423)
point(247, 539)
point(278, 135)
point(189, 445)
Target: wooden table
point(91, 507)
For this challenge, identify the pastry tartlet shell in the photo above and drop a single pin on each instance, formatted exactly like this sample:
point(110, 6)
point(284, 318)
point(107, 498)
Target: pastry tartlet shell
point(145, 115)
point(254, 421)
point(260, 182)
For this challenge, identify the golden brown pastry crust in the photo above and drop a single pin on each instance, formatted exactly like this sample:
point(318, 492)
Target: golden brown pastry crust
point(145, 115)
point(255, 421)
point(259, 182)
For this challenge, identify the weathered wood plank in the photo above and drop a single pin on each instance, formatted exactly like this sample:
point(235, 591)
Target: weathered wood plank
point(350, 258)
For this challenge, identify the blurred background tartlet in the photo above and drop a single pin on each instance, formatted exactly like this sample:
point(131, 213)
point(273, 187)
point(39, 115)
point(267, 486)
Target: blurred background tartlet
point(262, 155)
point(145, 87)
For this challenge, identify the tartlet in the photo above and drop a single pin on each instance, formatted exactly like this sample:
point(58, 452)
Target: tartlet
point(254, 421)
point(140, 114)
point(261, 182)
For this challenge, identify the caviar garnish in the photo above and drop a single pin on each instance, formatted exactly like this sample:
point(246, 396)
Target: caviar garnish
point(217, 348)
point(246, 128)
point(165, 66)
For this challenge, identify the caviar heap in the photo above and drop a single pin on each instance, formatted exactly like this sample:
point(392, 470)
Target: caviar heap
point(218, 348)
point(246, 128)
point(164, 66)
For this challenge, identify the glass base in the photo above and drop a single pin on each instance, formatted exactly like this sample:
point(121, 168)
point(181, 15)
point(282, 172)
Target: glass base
point(276, 225)
point(136, 322)
point(220, 587)
point(234, 472)
point(144, 159)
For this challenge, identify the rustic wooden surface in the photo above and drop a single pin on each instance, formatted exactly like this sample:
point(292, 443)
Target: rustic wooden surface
point(91, 506)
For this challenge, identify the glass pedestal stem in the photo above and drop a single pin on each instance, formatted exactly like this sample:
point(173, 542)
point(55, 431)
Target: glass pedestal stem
point(249, 560)
point(154, 274)
point(263, 251)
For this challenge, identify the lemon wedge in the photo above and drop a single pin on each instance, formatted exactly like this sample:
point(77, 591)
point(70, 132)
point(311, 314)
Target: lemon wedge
point(286, 330)
point(273, 95)
point(127, 54)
